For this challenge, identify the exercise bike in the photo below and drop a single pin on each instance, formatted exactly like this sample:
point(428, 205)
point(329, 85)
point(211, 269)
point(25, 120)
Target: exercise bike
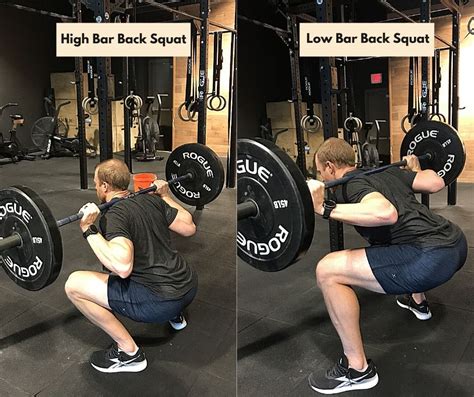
point(11, 147)
point(49, 134)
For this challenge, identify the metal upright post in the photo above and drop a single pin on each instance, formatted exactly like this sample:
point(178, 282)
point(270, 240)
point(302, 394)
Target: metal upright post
point(127, 117)
point(231, 157)
point(342, 80)
point(292, 26)
point(452, 188)
point(327, 71)
point(104, 70)
point(329, 106)
point(81, 128)
point(203, 58)
point(425, 17)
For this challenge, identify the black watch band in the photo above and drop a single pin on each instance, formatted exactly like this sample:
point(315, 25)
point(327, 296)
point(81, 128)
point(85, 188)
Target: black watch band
point(328, 206)
point(92, 229)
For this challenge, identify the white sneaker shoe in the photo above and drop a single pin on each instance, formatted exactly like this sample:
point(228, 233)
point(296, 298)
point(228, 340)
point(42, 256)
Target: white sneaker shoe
point(178, 323)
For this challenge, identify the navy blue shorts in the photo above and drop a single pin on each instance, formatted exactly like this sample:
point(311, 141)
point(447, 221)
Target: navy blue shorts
point(140, 303)
point(404, 269)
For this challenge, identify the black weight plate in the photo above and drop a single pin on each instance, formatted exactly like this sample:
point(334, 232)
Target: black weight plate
point(41, 131)
point(370, 155)
point(283, 229)
point(36, 263)
point(442, 142)
point(206, 168)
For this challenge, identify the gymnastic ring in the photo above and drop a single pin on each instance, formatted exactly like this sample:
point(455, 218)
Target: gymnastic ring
point(218, 108)
point(136, 99)
point(180, 112)
point(356, 120)
point(438, 116)
point(311, 123)
point(415, 119)
point(90, 106)
point(193, 111)
point(402, 123)
point(209, 99)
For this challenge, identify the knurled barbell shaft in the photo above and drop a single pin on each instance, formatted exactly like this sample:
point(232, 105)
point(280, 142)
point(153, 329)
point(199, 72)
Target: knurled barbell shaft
point(11, 241)
point(104, 206)
point(14, 240)
point(401, 163)
point(249, 208)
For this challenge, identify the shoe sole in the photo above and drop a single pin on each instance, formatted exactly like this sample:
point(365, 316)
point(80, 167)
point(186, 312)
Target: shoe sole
point(419, 316)
point(354, 386)
point(129, 368)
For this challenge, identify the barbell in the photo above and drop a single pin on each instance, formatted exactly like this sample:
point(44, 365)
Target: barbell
point(30, 244)
point(275, 211)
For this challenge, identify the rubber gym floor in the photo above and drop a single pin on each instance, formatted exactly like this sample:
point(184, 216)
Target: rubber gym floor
point(284, 331)
point(45, 343)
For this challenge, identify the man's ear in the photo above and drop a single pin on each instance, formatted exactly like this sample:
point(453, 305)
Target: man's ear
point(331, 166)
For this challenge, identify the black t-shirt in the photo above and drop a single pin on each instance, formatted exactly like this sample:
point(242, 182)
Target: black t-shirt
point(144, 220)
point(416, 224)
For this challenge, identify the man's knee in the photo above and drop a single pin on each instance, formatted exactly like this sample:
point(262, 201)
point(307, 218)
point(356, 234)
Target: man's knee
point(326, 268)
point(73, 285)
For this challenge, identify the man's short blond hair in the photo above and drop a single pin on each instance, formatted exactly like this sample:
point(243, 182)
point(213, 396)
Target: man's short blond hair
point(337, 151)
point(115, 172)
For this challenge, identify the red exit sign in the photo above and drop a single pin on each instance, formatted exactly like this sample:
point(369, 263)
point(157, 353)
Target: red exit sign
point(376, 78)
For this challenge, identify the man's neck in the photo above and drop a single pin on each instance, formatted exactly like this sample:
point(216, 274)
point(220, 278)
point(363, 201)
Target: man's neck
point(343, 171)
point(116, 194)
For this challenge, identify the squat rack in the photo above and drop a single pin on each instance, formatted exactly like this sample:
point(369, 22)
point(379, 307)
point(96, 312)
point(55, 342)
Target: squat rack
point(205, 22)
point(102, 10)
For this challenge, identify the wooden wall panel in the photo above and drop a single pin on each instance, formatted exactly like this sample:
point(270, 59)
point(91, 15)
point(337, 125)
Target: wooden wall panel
point(398, 89)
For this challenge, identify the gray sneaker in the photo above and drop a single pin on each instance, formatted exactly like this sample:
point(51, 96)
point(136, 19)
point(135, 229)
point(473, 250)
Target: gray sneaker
point(421, 311)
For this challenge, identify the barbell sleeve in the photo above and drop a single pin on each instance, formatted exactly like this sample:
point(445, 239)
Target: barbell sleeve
point(401, 163)
point(246, 209)
point(104, 206)
point(14, 240)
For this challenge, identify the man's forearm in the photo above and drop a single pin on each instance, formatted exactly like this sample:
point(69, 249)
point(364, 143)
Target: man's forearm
point(363, 214)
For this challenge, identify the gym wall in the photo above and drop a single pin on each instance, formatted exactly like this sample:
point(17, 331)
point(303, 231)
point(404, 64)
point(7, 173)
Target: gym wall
point(398, 89)
point(27, 57)
point(223, 12)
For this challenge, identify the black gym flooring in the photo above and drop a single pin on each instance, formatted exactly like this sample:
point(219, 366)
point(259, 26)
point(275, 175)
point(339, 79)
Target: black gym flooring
point(284, 331)
point(45, 343)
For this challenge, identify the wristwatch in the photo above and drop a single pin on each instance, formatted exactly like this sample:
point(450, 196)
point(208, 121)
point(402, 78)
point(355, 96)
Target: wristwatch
point(328, 206)
point(92, 229)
